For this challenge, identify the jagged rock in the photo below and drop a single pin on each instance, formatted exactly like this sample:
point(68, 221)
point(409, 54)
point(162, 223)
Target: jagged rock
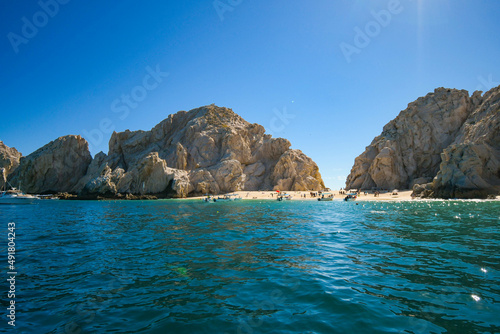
point(422, 190)
point(56, 167)
point(208, 149)
point(9, 161)
point(470, 167)
point(297, 172)
point(66, 196)
point(410, 146)
point(205, 150)
point(446, 136)
point(3, 178)
point(420, 181)
point(9, 158)
point(201, 181)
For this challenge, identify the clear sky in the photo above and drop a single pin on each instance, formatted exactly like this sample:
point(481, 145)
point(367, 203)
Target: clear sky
point(327, 75)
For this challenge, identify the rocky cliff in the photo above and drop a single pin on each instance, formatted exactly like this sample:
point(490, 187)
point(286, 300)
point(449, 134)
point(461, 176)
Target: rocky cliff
point(445, 144)
point(9, 161)
point(56, 167)
point(205, 150)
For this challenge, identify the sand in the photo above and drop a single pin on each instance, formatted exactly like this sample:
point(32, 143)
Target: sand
point(299, 195)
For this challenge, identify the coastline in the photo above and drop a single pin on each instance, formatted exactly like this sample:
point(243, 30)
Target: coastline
point(404, 195)
point(299, 195)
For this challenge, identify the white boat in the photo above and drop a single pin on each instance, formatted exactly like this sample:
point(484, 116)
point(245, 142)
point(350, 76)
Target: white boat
point(227, 197)
point(284, 197)
point(16, 196)
point(326, 197)
point(351, 197)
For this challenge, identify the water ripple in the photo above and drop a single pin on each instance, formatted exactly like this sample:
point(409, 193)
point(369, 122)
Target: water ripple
point(257, 267)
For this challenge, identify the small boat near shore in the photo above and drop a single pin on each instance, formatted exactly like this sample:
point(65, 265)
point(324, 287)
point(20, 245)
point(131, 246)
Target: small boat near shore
point(16, 196)
point(351, 197)
point(227, 198)
point(326, 197)
point(284, 197)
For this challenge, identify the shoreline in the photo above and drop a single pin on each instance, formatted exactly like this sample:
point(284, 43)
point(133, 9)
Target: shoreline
point(404, 195)
point(299, 195)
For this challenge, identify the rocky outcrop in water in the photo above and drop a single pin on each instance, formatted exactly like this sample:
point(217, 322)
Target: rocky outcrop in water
point(56, 167)
point(9, 161)
point(205, 150)
point(445, 144)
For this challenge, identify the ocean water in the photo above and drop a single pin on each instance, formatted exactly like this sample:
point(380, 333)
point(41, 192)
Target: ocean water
point(184, 266)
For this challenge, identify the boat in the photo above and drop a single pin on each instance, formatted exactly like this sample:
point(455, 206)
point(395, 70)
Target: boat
point(227, 198)
point(16, 196)
point(284, 197)
point(326, 197)
point(351, 197)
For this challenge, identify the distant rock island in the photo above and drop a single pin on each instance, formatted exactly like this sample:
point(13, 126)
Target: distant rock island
point(205, 150)
point(444, 145)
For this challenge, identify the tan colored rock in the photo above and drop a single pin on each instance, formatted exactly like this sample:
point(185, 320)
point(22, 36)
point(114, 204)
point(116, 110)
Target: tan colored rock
point(9, 158)
point(149, 176)
point(97, 168)
point(180, 183)
point(205, 150)
point(56, 167)
point(3, 178)
point(470, 167)
point(297, 172)
point(202, 182)
point(229, 175)
point(446, 136)
point(254, 174)
point(410, 146)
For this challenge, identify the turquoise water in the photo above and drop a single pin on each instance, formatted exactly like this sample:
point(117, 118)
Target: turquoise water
point(255, 267)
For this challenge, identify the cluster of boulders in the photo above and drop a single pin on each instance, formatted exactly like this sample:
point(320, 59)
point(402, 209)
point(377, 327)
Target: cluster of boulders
point(205, 150)
point(444, 145)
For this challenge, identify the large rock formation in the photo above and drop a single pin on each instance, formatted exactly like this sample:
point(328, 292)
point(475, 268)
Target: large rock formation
point(56, 167)
point(447, 137)
point(9, 160)
point(470, 166)
point(205, 150)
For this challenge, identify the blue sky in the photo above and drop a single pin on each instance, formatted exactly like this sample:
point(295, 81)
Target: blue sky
point(327, 75)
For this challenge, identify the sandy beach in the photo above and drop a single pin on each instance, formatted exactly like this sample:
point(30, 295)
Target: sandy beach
point(306, 195)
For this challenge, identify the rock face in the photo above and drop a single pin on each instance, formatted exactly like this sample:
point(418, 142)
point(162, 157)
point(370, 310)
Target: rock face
point(9, 161)
point(56, 167)
point(447, 137)
point(470, 166)
point(9, 158)
point(205, 150)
